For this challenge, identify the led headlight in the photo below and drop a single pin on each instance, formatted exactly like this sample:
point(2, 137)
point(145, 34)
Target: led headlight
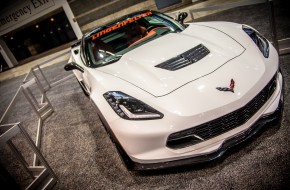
point(259, 40)
point(130, 108)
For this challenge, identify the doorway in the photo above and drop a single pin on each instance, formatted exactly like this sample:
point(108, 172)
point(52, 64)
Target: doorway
point(41, 35)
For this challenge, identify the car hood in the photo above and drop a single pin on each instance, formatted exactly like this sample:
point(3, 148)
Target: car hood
point(138, 66)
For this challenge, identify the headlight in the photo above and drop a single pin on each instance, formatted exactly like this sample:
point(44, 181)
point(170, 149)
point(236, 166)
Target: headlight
point(259, 40)
point(130, 108)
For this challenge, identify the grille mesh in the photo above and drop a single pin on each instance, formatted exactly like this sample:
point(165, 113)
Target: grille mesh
point(187, 58)
point(223, 124)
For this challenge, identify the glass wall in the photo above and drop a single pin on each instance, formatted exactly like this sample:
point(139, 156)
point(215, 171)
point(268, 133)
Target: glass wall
point(49, 32)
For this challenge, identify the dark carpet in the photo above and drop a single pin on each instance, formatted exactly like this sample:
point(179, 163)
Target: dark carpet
point(82, 155)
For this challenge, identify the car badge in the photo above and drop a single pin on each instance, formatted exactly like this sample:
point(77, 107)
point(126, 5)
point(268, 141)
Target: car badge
point(230, 89)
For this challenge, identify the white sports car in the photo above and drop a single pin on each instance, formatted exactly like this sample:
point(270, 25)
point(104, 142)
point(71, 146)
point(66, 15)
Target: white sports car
point(172, 94)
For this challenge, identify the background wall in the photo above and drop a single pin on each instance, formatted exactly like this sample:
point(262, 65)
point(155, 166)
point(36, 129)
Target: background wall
point(90, 14)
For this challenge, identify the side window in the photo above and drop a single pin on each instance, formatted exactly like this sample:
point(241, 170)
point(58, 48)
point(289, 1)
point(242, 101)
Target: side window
point(162, 21)
point(154, 21)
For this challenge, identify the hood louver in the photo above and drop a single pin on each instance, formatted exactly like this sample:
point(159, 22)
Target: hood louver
point(187, 58)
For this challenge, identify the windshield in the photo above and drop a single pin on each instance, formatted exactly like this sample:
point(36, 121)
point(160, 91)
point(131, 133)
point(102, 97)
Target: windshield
point(108, 44)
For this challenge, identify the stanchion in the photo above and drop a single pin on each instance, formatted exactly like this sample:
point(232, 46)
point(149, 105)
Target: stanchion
point(43, 176)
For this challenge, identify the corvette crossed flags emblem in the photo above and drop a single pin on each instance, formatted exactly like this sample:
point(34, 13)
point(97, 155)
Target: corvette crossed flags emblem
point(230, 89)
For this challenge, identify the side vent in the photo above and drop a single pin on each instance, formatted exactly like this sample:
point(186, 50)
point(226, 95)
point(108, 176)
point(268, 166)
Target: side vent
point(187, 58)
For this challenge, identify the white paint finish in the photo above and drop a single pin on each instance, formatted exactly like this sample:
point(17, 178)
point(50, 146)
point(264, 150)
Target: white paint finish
point(188, 105)
point(231, 29)
point(145, 141)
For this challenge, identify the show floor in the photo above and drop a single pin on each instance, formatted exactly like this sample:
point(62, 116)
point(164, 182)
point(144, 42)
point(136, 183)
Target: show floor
point(82, 155)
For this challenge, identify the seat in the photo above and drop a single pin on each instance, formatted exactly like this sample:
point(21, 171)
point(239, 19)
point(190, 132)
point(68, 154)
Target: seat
point(134, 32)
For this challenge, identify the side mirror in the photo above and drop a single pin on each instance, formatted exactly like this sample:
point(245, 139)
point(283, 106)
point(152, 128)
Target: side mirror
point(73, 66)
point(181, 17)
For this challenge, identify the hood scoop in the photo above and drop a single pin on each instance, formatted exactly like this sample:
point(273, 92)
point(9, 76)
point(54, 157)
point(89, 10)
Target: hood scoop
point(187, 58)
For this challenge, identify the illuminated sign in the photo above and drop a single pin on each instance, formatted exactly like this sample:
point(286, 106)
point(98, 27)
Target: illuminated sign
point(20, 12)
point(124, 23)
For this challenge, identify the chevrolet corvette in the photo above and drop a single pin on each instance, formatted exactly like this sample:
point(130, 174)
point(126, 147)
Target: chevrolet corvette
point(171, 93)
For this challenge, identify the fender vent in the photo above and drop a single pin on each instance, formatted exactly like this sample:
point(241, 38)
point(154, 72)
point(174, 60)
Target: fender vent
point(187, 58)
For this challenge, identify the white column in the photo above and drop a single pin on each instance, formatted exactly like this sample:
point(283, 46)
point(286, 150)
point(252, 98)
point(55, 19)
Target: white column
point(7, 54)
point(70, 17)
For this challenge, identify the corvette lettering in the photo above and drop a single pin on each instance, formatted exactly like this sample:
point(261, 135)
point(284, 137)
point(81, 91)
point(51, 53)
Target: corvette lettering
point(122, 24)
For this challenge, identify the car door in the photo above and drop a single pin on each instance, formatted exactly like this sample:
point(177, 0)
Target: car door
point(82, 74)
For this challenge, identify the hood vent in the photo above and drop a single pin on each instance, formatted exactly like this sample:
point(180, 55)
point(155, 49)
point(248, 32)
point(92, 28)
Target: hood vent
point(187, 58)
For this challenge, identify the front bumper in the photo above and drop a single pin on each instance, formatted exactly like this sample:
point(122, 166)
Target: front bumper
point(258, 125)
point(265, 120)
